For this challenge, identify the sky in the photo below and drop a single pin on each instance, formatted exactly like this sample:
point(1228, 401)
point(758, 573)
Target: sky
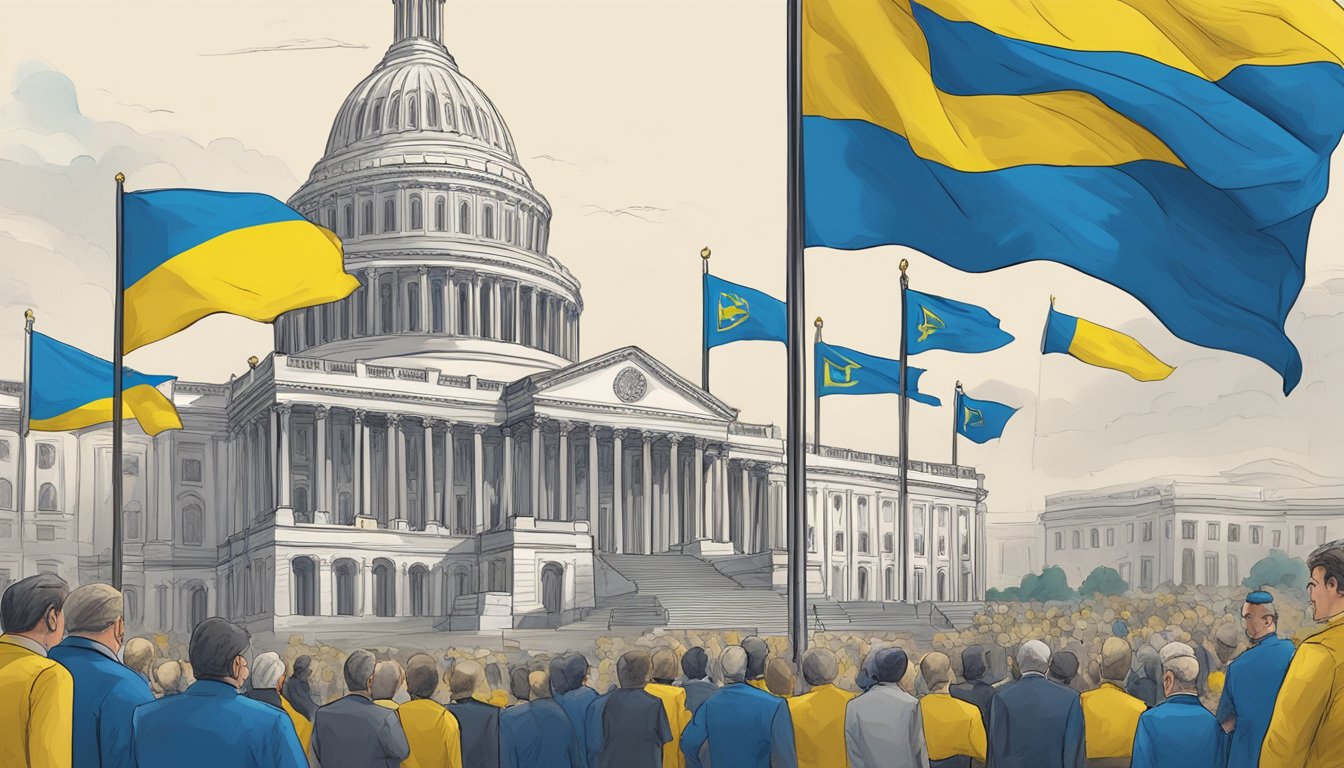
point(654, 128)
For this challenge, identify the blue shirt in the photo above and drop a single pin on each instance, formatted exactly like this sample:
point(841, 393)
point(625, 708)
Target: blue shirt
point(106, 695)
point(538, 734)
point(1179, 733)
point(576, 704)
point(745, 728)
point(1249, 692)
point(210, 726)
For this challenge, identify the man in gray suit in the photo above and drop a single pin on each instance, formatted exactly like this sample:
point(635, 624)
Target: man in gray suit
point(883, 727)
point(353, 732)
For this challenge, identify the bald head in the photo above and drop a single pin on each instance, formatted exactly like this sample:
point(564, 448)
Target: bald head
point(139, 655)
point(664, 666)
point(1115, 660)
point(779, 678)
point(539, 684)
point(936, 668)
point(387, 679)
point(466, 679)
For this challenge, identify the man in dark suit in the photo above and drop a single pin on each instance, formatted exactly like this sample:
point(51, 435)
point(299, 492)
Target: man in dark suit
point(695, 666)
point(477, 718)
point(1035, 723)
point(353, 731)
point(537, 733)
point(633, 724)
point(975, 689)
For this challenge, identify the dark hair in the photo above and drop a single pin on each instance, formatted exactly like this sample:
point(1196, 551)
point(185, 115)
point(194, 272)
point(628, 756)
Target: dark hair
point(1331, 558)
point(1064, 667)
point(758, 655)
point(215, 643)
point(519, 685)
point(576, 670)
point(359, 669)
point(560, 680)
point(695, 664)
point(632, 669)
point(422, 676)
point(302, 665)
point(27, 601)
point(973, 662)
point(890, 664)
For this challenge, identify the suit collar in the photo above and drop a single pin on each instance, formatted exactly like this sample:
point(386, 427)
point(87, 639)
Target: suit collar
point(28, 644)
point(211, 688)
point(84, 643)
point(1186, 699)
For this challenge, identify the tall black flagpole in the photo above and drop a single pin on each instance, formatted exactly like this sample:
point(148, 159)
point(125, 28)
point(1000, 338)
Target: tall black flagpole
point(956, 414)
point(905, 440)
point(25, 416)
point(704, 323)
point(796, 446)
point(117, 353)
point(816, 394)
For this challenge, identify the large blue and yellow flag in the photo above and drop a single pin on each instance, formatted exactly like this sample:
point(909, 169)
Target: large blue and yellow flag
point(843, 371)
point(193, 252)
point(933, 322)
point(735, 312)
point(72, 389)
point(981, 420)
point(1100, 346)
point(1176, 149)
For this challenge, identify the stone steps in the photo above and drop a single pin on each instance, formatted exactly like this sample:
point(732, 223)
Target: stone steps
point(696, 595)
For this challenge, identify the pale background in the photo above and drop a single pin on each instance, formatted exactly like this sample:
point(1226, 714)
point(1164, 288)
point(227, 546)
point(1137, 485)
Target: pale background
point(654, 127)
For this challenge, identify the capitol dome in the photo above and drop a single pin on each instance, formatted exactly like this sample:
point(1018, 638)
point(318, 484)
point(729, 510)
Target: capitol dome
point(440, 222)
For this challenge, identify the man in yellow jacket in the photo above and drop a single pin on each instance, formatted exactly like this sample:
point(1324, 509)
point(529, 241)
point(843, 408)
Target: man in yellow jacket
point(431, 730)
point(665, 665)
point(819, 715)
point(1308, 719)
point(1111, 716)
point(953, 729)
point(36, 694)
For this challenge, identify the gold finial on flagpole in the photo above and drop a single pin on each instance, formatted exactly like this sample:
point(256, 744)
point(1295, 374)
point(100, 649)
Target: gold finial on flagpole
point(905, 264)
point(704, 253)
point(252, 361)
point(28, 315)
point(1052, 300)
point(817, 322)
point(120, 178)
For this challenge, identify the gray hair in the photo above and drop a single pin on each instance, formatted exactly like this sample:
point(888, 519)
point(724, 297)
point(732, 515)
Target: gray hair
point(386, 679)
point(267, 669)
point(733, 662)
point(820, 667)
point(1033, 656)
point(92, 608)
point(1179, 659)
point(358, 669)
point(27, 601)
point(215, 643)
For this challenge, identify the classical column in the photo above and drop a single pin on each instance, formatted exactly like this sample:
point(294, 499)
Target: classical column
point(674, 494)
point(617, 493)
point(329, 468)
point(283, 485)
point(475, 314)
point(592, 478)
point(851, 547)
point(532, 320)
point(363, 484)
point(478, 475)
point(321, 418)
point(506, 493)
point(496, 312)
point(424, 299)
point(646, 481)
point(721, 468)
point(393, 470)
point(536, 472)
point(449, 296)
point(371, 307)
point(517, 312)
point(748, 523)
point(562, 462)
point(449, 493)
point(695, 517)
point(431, 509)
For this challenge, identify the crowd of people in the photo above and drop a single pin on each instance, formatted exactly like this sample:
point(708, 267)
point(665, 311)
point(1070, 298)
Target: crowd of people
point(75, 692)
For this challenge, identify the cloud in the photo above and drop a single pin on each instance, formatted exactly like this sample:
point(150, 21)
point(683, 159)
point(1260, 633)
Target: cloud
point(138, 107)
point(297, 44)
point(651, 214)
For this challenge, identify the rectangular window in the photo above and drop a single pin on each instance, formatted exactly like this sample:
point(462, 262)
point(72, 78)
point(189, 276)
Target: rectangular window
point(1278, 540)
point(1211, 570)
point(1059, 541)
point(1320, 530)
point(6, 531)
point(46, 533)
point(1256, 533)
point(1146, 573)
point(863, 543)
point(1187, 530)
point(1129, 533)
point(1233, 532)
point(4, 450)
point(130, 466)
point(1110, 537)
point(191, 470)
point(1299, 534)
point(1166, 530)
point(1213, 531)
point(1148, 531)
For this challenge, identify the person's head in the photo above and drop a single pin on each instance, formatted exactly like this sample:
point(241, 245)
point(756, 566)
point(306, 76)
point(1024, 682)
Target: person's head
point(465, 680)
point(139, 655)
point(758, 654)
point(1180, 668)
point(358, 672)
point(733, 662)
point(1259, 615)
point(779, 678)
point(559, 679)
point(1033, 656)
point(303, 666)
point(1116, 658)
point(820, 667)
point(539, 685)
point(576, 671)
point(1063, 667)
point(1325, 587)
point(494, 676)
point(890, 665)
point(695, 663)
point(936, 668)
point(634, 669)
point(268, 671)
point(973, 664)
point(216, 651)
point(422, 676)
point(1225, 642)
point(33, 607)
point(664, 665)
point(94, 612)
point(170, 676)
point(519, 685)
point(387, 679)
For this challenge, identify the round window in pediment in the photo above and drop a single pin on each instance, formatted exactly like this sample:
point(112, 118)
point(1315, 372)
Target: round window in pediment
point(630, 385)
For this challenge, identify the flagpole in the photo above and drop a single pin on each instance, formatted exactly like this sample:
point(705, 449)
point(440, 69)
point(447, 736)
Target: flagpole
point(25, 416)
point(118, 345)
point(796, 445)
point(905, 440)
point(816, 394)
point(704, 324)
point(956, 414)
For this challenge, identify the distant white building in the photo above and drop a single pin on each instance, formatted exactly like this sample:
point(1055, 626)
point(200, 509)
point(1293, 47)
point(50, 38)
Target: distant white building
point(1014, 550)
point(431, 450)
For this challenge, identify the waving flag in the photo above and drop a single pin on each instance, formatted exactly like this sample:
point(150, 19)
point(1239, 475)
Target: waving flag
point(1176, 149)
point(737, 313)
point(1100, 346)
point(843, 371)
point(981, 420)
point(71, 389)
point(933, 322)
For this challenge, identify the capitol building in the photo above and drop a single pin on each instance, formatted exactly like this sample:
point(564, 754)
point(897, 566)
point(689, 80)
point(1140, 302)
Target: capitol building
point(440, 451)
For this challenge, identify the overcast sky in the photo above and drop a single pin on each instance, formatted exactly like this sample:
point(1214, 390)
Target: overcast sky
point(654, 127)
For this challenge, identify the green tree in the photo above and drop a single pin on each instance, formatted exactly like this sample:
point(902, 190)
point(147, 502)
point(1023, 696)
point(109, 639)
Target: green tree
point(1277, 570)
point(1051, 584)
point(1103, 581)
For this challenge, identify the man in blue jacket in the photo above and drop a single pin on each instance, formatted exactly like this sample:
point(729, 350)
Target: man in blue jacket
point(568, 674)
point(209, 725)
point(1252, 685)
point(744, 726)
point(106, 691)
point(1179, 732)
point(537, 733)
point(1035, 723)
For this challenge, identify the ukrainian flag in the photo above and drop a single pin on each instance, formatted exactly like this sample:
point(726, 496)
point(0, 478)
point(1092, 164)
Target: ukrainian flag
point(1176, 149)
point(1101, 346)
point(844, 371)
point(191, 252)
point(71, 389)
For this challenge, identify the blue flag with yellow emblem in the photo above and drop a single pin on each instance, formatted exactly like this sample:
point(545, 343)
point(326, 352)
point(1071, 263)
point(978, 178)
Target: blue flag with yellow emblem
point(71, 389)
point(981, 420)
point(737, 313)
point(933, 322)
point(843, 371)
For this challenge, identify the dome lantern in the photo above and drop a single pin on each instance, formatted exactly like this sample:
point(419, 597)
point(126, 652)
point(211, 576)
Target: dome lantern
point(418, 19)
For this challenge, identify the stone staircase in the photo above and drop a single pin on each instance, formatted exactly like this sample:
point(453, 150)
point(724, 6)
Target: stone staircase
point(960, 615)
point(695, 595)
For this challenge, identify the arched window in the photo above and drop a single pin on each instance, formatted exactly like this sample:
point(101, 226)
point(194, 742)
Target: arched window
point(888, 543)
point(376, 123)
point(436, 306)
point(346, 571)
point(46, 455)
point(463, 310)
point(419, 577)
point(46, 498)
point(412, 114)
point(6, 494)
point(862, 515)
point(305, 586)
point(131, 605)
point(839, 542)
point(417, 213)
point(1077, 539)
point(509, 226)
point(366, 225)
point(552, 587)
point(384, 589)
point(447, 111)
point(359, 121)
point(413, 307)
point(349, 221)
point(440, 213)
point(431, 111)
point(1094, 538)
point(467, 126)
point(863, 583)
point(394, 113)
point(193, 521)
point(390, 214)
point(385, 306)
point(131, 521)
point(488, 222)
point(464, 218)
point(487, 310)
point(484, 124)
point(889, 583)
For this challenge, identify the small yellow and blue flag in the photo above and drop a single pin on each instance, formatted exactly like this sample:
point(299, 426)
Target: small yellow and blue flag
point(844, 371)
point(71, 389)
point(1100, 346)
point(190, 253)
point(934, 322)
point(981, 420)
point(735, 312)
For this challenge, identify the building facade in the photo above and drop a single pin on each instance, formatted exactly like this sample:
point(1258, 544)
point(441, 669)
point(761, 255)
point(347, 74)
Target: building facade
point(433, 449)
